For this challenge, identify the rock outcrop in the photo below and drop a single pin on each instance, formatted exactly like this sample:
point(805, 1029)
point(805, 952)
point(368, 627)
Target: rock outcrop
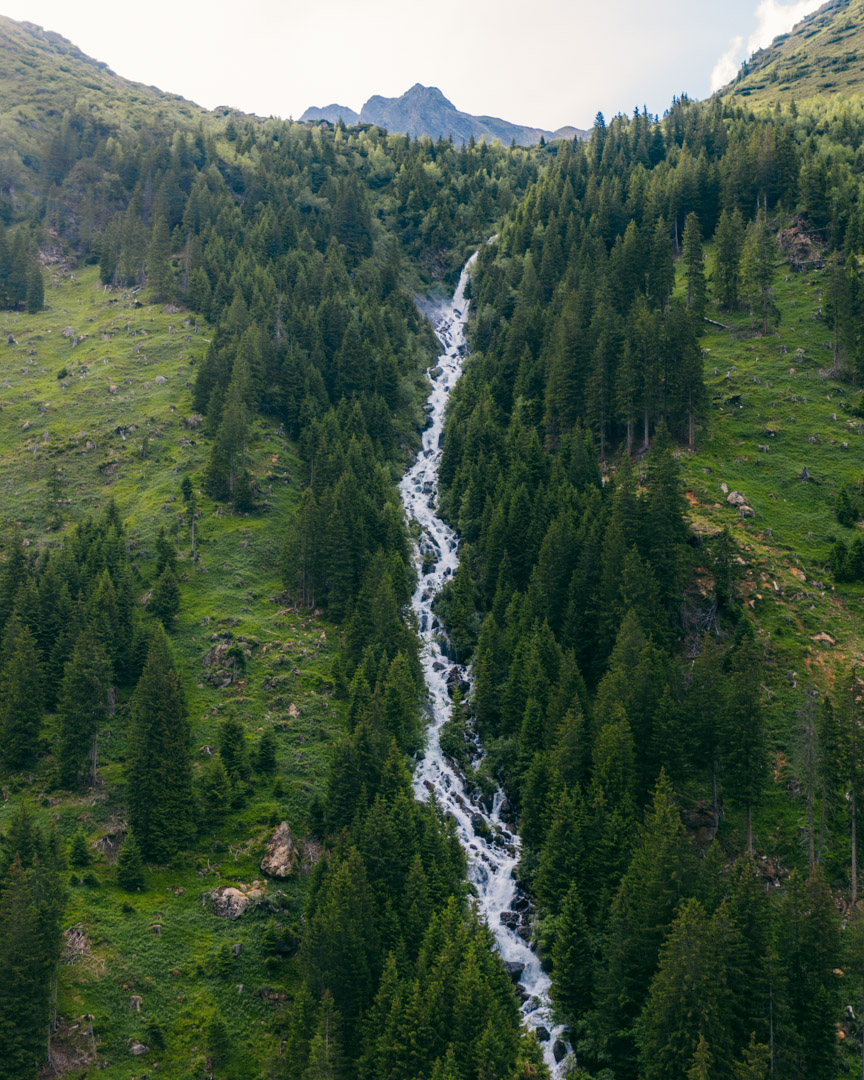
point(281, 858)
point(228, 902)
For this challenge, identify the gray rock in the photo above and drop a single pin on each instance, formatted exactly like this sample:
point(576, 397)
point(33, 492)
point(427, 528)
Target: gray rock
point(137, 1048)
point(281, 857)
point(228, 902)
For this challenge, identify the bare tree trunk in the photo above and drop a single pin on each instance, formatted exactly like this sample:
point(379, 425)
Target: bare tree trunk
point(749, 829)
point(645, 429)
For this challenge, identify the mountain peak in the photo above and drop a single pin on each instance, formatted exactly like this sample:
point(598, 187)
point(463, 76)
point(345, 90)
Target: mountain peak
point(424, 110)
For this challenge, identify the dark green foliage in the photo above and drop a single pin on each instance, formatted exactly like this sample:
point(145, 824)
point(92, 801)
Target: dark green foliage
point(232, 749)
point(158, 767)
point(265, 752)
point(31, 908)
point(572, 959)
point(21, 698)
point(846, 509)
point(79, 849)
point(82, 707)
point(216, 790)
point(129, 871)
point(165, 598)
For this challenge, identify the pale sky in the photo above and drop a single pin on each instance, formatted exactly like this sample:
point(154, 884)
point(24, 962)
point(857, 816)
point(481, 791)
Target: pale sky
point(546, 63)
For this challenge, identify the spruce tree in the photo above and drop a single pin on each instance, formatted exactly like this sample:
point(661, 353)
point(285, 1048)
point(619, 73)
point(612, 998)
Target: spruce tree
point(728, 241)
point(129, 871)
point(158, 765)
point(572, 959)
point(21, 698)
point(30, 940)
point(265, 753)
point(232, 749)
point(688, 1006)
point(82, 708)
point(215, 787)
point(694, 267)
point(35, 290)
point(79, 849)
point(165, 598)
point(757, 269)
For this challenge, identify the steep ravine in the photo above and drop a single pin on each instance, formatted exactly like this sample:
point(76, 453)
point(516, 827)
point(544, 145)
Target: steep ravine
point(491, 861)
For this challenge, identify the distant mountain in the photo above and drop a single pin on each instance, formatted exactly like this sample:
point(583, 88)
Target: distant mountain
point(423, 110)
point(332, 113)
point(823, 54)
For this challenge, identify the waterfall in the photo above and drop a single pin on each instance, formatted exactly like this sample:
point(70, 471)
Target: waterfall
point(490, 840)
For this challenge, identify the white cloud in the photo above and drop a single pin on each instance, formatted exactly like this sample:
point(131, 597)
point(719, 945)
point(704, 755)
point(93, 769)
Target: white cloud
point(726, 67)
point(772, 18)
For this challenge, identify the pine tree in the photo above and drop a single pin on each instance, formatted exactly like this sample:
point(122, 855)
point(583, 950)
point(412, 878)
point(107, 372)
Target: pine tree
point(232, 749)
point(265, 754)
point(31, 905)
point(688, 1006)
point(660, 876)
point(757, 269)
point(744, 752)
point(165, 598)
point(215, 787)
point(158, 766)
point(79, 849)
point(129, 871)
point(729, 242)
point(694, 267)
point(572, 959)
point(21, 698)
point(755, 1062)
point(807, 945)
point(701, 1069)
point(35, 290)
point(160, 274)
point(82, 708)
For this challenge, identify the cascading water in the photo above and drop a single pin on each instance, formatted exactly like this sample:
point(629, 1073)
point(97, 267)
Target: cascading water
point(492, 846)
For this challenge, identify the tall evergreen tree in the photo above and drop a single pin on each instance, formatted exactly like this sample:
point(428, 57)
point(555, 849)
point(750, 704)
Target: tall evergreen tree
point(83, 708)
point(158, 766)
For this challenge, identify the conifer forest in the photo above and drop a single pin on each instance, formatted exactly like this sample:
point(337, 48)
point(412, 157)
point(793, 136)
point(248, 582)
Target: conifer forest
point(430, 591)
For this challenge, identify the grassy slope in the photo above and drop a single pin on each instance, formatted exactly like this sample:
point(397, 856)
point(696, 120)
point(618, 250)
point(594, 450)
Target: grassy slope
point(823, 54)
point(790, 593)
point(45, 426)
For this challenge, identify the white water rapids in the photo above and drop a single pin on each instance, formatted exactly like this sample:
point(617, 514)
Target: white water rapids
point(491, 862)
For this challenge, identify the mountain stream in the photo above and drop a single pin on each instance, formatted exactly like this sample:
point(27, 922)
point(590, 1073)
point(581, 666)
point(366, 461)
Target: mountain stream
point(484, 828)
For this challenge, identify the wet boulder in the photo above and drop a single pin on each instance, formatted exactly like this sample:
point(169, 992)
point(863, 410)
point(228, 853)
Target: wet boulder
point(514, 969)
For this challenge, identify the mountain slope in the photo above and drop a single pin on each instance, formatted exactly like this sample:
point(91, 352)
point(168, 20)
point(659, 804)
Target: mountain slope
point(424, 110)
point(822, 55)
point(46, 81)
